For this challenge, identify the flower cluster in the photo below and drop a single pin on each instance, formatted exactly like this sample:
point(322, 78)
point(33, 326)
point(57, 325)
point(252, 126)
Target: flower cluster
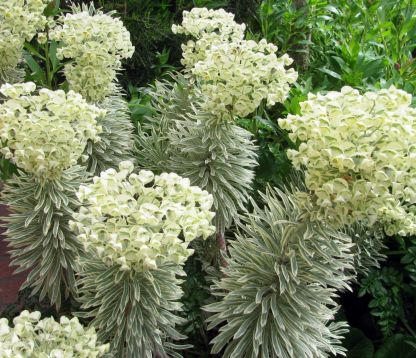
point(235, 75)
point(47, 132)
point(138, 221)
point(207, 27)
point(359, 153)
point(33, 337)
point(19, 21)
point(96, 43)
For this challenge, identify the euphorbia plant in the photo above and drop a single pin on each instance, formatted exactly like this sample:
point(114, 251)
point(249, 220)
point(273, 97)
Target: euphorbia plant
point(81, 51)
point(92, 46)
point(225, 78)
point(57, 137)
point(279, 286)
point(45, 133)
point(136, 230)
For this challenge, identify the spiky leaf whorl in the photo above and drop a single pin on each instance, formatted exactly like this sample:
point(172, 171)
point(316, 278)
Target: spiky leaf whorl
point(279, 285)
point(135, 310)
point(38, 232)
point(368, 249)
point(116, 139)
point(179, 137)
point(11, 75)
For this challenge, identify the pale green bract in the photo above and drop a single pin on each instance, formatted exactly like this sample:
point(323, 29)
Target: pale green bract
point(32, 337)
point(235, 74)
point(96, 43)
point(19, 22)
point(45, 133)
point(207, 27)
point(137, 221)
point(359, 153)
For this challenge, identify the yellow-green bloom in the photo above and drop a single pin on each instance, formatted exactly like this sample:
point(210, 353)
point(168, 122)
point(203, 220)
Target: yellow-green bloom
point(33, 337)
point(46, 132)
point(139, 221)
point(96, 43)
point(207, 28)
point(19, 22)
point(359, 154)
point(234, 74)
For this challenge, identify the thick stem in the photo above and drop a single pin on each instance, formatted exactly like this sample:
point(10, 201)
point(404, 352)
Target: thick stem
point(222, 245)
point(302, 58)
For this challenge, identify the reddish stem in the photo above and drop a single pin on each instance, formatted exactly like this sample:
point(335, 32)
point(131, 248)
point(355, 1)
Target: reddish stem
point(222, 245)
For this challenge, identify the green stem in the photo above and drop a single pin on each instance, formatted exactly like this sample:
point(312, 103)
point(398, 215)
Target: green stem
point(395, 252)
point(48, 63)
point(406, 325)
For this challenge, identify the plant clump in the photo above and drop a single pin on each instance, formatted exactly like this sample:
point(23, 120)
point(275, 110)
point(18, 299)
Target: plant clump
point(279, 285)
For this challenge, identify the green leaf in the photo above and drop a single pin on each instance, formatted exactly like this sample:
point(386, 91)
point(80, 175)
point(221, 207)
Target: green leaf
point(37, 74)
point(396, 346)
point(33, 50)
point(358, 345)
point(330, 73)
point(52, 56)
point(53, 8)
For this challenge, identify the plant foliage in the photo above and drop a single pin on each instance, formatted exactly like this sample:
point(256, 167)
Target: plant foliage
point(132, 310)
point(178, 136)
point(38, 232)
point(280, 283)
point(116, 139)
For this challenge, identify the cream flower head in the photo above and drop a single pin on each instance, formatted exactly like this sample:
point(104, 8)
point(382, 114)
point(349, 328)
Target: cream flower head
point(96, 43)
point(31, 336)
point(139, 221)
point(46, 132)
point(234, 74)
point(19, 22)
point(359, 155)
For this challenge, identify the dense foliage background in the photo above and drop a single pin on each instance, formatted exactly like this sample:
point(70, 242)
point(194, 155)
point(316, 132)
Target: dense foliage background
point(367, 44)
